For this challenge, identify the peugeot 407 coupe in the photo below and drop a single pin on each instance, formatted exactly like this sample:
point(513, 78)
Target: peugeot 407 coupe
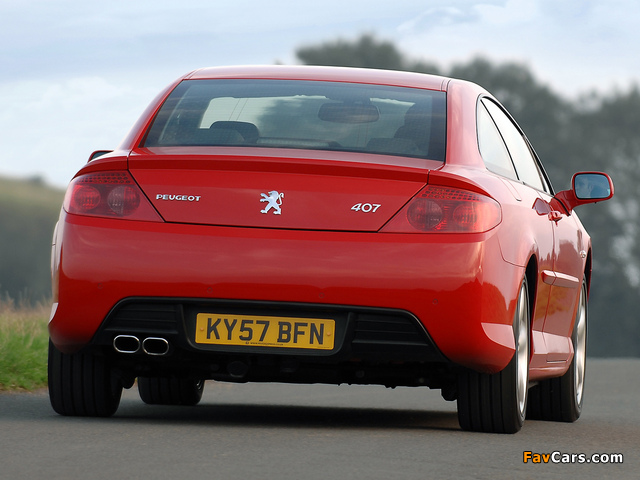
point(323, 225)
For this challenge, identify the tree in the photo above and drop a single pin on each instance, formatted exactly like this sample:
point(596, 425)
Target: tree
point(594, 133)
point(365, 52)
point(28, 213)
point(606, 134)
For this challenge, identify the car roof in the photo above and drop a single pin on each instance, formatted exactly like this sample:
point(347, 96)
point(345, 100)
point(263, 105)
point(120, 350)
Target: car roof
point(322, 73)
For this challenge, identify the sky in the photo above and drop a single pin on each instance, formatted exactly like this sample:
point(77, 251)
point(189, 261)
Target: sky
point(75, 75)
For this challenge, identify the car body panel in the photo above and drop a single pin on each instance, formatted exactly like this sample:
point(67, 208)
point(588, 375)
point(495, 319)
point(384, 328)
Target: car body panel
point(215, 240)
point(217, 195)
point(302, 266)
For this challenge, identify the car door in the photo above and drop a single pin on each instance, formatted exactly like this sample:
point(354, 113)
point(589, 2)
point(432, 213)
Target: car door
point(568, 272)
point(558, 241)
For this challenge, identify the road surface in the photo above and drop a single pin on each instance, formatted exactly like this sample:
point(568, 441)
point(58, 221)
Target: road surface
point(274, 431)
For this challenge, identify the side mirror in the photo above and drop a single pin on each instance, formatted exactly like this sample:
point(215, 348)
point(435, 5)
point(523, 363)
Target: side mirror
point(586, 187)
point(592, 186)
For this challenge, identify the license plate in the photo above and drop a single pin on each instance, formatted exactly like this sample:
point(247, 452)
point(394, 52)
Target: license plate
point(265, 331)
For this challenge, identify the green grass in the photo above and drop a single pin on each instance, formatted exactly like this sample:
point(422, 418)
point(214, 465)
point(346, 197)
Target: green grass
point(23, 346)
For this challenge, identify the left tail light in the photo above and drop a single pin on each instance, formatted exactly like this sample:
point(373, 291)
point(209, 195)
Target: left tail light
point(439, 209)
point(109, 194)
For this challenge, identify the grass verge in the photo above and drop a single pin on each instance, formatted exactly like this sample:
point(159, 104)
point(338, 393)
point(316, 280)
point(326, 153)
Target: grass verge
point(23, 346)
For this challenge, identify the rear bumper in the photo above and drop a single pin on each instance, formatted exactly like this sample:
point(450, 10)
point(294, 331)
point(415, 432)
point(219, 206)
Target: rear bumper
point(156, 336)
point(457, 289)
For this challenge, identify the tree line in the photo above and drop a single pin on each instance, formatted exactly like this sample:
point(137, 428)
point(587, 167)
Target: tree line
point(591, 132)
point(29, 210)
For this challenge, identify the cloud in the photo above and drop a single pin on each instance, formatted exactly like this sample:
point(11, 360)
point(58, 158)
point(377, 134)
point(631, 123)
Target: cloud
point(438, 17)
point(448, 13)
point(513, 12)
point(75, 74)
point(574, 45)
point(52, 127)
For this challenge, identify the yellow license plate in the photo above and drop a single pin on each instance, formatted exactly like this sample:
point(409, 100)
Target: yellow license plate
point(264, 331)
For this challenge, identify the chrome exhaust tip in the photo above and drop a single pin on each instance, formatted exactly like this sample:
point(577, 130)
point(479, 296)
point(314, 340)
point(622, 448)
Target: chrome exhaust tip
point(126, 344)
point(155, 346)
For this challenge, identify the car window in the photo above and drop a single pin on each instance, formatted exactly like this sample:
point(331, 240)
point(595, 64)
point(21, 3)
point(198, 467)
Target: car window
point(492, 148)
point(303, 114)
point(524, 161)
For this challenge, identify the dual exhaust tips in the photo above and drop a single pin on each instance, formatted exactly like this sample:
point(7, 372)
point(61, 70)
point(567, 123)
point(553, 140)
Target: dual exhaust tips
point(155, 346)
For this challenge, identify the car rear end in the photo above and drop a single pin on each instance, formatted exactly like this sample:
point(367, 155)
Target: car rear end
point(284, 230)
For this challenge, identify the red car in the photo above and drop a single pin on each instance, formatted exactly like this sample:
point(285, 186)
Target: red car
point(323, 225)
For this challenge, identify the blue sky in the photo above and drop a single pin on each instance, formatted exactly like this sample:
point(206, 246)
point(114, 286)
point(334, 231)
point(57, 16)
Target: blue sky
point(75, 75)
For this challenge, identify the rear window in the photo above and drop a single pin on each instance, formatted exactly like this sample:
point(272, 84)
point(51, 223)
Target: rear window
point(305, 115)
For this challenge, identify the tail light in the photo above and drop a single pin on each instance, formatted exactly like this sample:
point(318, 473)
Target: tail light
point(109, 194)
point(438, 209)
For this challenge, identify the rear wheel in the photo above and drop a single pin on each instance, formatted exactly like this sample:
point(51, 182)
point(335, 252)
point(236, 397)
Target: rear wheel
point(497, 402)
point(82, 384)
point(170, 391)
point(560, 399)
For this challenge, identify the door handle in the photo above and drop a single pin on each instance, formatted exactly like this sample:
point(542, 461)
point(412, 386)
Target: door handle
point(555, 216)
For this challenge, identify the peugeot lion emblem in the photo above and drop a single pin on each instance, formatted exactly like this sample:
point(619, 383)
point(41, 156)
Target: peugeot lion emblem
point(275, 200)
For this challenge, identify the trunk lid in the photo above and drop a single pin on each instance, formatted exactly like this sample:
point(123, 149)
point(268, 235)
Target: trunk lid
point(277, 189)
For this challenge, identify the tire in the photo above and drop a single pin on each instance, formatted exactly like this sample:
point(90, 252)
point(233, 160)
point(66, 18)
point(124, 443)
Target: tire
point(496, 403)
point(560, 399)
point(82, 384)
point(170, 391)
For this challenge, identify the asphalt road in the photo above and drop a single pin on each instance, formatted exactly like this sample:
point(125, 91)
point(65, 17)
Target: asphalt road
point(275, 431)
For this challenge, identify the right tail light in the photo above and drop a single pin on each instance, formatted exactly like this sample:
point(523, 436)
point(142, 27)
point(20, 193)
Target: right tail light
point(439, 209)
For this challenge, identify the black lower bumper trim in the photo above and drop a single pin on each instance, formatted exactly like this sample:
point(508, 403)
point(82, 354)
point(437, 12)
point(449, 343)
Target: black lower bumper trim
point(372, 345)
